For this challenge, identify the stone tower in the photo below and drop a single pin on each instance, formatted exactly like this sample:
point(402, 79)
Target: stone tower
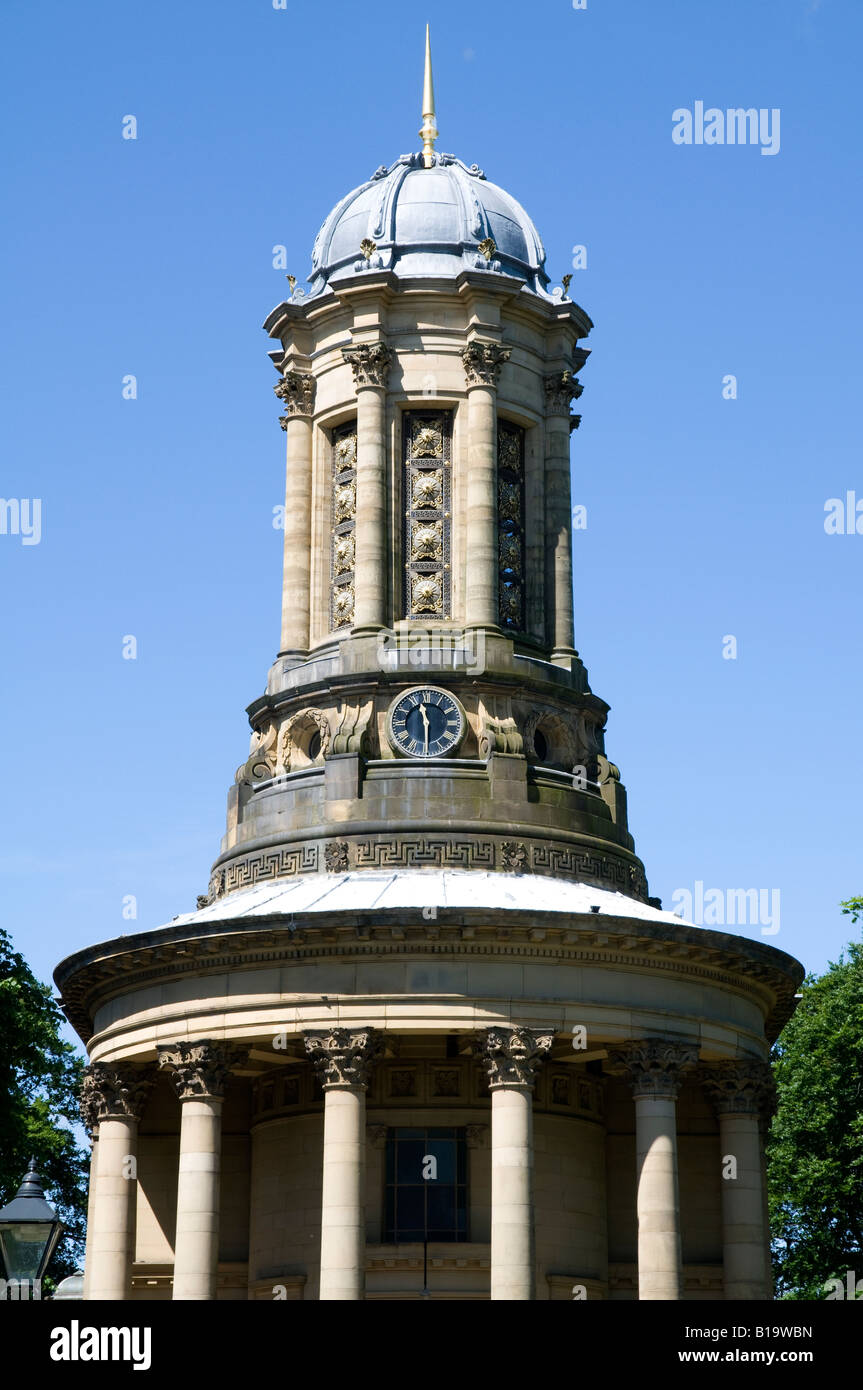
point(427, 934)
point(427, 380)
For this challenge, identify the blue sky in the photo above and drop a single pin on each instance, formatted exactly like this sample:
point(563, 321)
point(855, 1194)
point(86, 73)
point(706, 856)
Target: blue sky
point(705, 516)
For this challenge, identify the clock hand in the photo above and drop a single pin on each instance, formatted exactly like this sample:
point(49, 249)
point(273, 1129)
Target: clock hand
point(425, 720)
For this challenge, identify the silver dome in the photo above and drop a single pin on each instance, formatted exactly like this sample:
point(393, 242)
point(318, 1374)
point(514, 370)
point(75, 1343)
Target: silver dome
point(428, 222)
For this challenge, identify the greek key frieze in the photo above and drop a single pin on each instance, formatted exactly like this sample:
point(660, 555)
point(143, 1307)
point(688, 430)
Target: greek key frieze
point(428, 852)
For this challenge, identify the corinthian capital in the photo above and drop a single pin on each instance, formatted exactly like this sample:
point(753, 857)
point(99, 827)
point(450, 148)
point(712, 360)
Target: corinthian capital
point(653, 1067)
point(744, 1087)
point(344, 1056)
point(560, 389)
point(369, 362)
point(297, 390)
point(114, 1093)
point(483, 361)
point(200, 1070)
point(512, 1055)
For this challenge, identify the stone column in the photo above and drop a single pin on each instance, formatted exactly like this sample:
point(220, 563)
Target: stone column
point(742, 1092)
point(370, 364)
point(560, 389)
point(342, 1059)
point(511, 1056)
point(114, 1098)
point(482, 364)
point(764, 1130)
point(88, 1106)
point(297, 390)
point(200, 1072)
point(91, 1207)
point(654, 1072)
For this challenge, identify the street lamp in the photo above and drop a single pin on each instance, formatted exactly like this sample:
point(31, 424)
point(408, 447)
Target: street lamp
point(29, 1231)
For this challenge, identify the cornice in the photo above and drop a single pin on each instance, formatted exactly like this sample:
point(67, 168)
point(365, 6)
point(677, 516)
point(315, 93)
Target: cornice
point(519, 300)
point(89, 978)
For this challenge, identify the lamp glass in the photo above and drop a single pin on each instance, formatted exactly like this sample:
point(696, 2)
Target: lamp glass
point(23, 1245)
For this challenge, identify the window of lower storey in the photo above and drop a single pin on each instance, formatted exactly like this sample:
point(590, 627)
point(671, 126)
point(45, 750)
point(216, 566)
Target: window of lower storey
point(426, 1185)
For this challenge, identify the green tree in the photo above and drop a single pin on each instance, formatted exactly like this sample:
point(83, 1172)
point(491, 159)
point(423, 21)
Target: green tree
point(815, 1148)
point(40, 1078)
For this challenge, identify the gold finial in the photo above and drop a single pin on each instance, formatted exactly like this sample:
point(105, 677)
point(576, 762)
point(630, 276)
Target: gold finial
point(428, 129)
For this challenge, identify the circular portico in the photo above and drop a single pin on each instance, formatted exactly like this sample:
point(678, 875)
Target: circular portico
point(582, 1051)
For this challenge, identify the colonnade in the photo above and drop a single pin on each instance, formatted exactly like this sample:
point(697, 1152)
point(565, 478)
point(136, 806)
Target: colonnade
point(114, 1098)
point(370, 364)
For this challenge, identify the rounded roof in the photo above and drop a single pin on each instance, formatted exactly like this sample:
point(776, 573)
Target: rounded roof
point(428, 222)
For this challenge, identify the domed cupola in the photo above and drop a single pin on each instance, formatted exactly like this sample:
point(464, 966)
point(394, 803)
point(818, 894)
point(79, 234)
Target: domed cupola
point(428, 216)
point(436, 221)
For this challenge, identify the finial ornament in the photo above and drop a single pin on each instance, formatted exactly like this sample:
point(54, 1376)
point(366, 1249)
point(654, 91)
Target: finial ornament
point(428, 129)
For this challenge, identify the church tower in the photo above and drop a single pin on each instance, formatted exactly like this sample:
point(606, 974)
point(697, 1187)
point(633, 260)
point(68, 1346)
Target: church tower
point(427, 709)
point(426, 1034)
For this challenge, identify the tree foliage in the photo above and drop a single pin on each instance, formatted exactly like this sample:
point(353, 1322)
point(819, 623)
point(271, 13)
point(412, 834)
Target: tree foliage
point(815, 1149)
point(40, 1078)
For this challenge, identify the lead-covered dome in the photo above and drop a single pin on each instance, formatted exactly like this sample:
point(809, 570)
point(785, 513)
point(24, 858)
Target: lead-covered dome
point(430, 222)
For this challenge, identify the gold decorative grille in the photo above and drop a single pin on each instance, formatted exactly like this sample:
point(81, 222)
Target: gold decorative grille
point(344, 515)
point(426, 452)
point(510, 531)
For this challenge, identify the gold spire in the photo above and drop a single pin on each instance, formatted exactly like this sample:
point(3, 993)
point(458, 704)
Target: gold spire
point(428, 129)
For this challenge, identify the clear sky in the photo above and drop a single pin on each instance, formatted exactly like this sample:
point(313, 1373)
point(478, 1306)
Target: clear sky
point(154, 257)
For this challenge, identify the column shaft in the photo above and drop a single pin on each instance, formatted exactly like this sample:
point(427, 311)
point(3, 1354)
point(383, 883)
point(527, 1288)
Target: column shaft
point(513, 1273)
point(769, 1286)
point(110, 1245)
point(196, 1250)
point(558, 530)
point(91, 1211)
point(743, 1234)
point(370, 585)
point(481, 570)
point(343, 1235)
point(660, 1269)
point(296, 601)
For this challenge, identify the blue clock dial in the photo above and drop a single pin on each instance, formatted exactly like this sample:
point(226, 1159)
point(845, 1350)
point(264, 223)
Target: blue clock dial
point(426, 723)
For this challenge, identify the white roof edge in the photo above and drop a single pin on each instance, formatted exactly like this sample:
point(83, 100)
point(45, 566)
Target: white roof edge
point(382, 890)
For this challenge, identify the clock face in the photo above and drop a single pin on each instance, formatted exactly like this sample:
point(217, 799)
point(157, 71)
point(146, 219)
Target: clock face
point(426, 723)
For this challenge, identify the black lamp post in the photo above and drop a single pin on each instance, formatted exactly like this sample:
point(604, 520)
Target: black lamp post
point(29, 1231)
